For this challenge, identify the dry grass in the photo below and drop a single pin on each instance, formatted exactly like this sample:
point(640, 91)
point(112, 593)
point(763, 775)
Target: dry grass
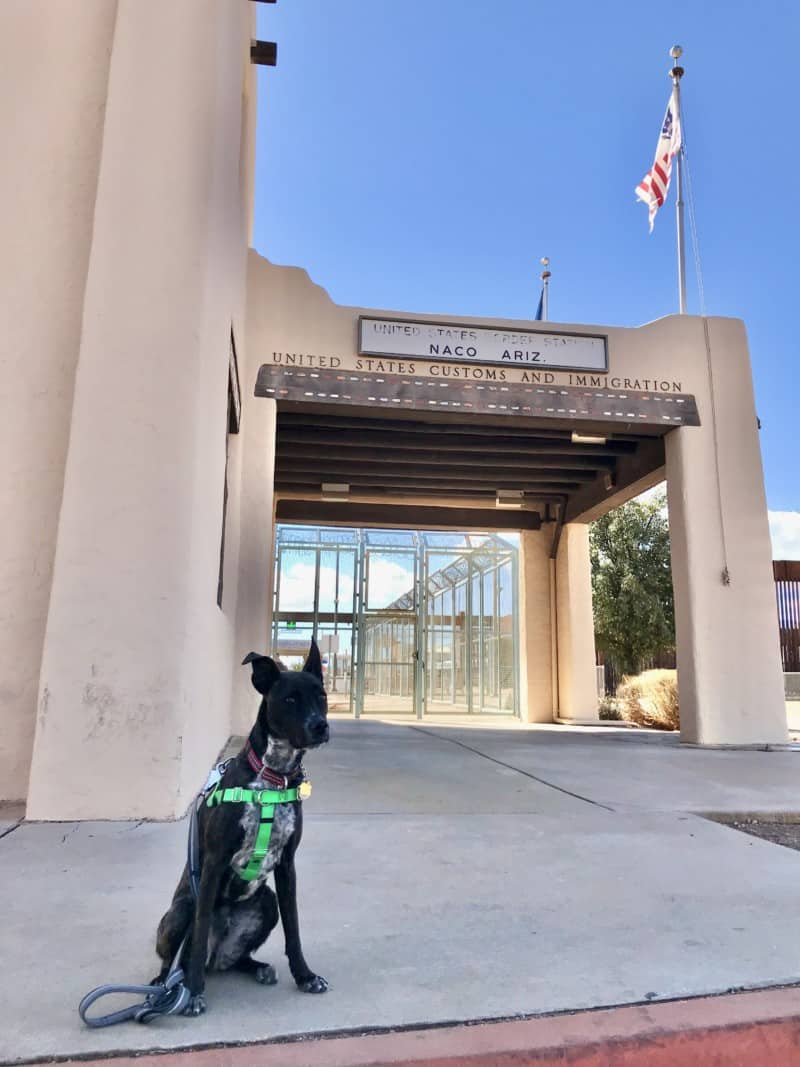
point(650, 699)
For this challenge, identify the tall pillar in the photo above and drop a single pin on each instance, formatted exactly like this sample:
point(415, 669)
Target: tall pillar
point(536, 639)
point(254, 606)
point(729, 668)
point(577, 677)
point(54, 61)
point(136, 669)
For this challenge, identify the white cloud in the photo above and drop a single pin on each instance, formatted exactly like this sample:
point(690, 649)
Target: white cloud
point(296, 581)
point(650, 494)
point(388, 580)
point(784, 528)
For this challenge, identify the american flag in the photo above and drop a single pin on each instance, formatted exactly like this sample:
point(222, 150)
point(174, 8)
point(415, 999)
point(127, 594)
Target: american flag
point(653, 187)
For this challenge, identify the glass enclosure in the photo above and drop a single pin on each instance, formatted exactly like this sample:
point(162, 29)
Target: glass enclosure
point(408, 622)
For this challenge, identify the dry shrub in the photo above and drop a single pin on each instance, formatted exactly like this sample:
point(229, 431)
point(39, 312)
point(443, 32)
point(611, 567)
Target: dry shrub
point(608, 709)
point(650, 699)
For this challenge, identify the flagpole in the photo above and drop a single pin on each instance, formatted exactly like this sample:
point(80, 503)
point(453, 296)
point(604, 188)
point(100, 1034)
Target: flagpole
point(676, 74)
point(545, 288)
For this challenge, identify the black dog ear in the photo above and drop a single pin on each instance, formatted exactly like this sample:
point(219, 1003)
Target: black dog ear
point(313, 665)
point(265, 672)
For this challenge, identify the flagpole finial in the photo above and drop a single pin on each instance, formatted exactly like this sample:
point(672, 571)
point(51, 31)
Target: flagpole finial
point(677, 71)
point(545, 261)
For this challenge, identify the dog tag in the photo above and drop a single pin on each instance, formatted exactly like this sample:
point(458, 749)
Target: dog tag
point(304, 790)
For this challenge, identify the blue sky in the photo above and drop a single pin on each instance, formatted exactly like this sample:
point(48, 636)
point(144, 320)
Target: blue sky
point(423, 155)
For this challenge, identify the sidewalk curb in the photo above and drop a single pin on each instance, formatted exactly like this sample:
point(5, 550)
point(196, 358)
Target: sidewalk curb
point(724, 1031)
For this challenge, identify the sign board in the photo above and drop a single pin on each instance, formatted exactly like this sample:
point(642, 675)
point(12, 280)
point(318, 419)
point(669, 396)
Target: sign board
point(481, 344)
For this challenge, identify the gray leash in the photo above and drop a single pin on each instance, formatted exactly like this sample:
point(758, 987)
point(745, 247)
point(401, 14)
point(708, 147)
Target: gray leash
point(171, 996)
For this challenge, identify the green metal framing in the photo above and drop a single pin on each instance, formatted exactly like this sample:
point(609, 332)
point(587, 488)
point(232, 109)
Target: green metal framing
point(441, 565)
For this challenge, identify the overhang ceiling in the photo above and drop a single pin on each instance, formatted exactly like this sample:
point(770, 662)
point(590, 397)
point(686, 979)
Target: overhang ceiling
point(402, 470)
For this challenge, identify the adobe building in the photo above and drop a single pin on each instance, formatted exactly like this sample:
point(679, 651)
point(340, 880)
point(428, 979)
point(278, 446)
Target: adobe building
point(154, 368)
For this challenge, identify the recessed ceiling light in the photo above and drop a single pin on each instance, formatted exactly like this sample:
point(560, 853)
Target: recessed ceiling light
point(587, 439)
point(509, 498)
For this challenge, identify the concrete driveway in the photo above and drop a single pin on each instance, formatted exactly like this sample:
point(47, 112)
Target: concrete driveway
point(447, 873)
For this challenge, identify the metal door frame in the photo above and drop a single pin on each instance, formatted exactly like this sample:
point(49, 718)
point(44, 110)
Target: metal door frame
point(364, 613)
point(423, 556)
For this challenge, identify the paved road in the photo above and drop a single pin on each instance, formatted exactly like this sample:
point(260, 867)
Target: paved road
point(446, 874)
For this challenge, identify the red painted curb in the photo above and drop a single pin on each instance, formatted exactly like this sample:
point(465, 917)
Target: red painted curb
point(742, 1030)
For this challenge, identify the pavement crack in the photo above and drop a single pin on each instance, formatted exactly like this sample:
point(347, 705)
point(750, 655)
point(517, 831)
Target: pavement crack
point(11, 829)
point(511, 767)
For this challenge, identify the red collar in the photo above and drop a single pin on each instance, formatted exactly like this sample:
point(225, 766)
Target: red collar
point(280, 781)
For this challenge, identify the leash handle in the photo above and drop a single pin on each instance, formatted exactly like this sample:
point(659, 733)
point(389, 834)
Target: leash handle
point(167, 999)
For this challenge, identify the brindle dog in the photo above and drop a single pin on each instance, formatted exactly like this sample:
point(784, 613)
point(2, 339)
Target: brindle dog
point(233, 917)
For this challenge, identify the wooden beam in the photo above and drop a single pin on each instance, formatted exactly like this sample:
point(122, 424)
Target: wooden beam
point(303, 454)
point(264, 53)
point(465, 497)
point(386, 471)
point(414, 516)
point(404, 481)
point(435, 424)
point(496, 445)
point(603, 406)
point(643, 468)
point(413, 424)
point(422, 488)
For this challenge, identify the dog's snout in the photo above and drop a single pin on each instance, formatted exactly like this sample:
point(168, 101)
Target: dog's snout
point(319, 730)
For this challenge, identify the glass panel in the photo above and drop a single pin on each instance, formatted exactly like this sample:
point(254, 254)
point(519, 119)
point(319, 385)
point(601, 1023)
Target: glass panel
point(469, 606)
point(308, 534)
point(506, 627)
point(296, 579)
point(338, 536)
point(460, 650)
point(390, 642)
point(445, 540)
point(491, 690)
point(336, 645)
point(476, 658)
point(390, 577)
point(439, 664)
point(336, 582)
point(390, 538)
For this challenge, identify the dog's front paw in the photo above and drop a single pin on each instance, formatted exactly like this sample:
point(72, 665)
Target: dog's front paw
point(266, 974)
point(315, 984)
point(196, 1005)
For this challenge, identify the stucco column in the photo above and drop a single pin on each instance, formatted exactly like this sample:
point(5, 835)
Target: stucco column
point(577, 677)
point(254, 607)
point(535, 627)
point(53, 75)
point(729, 669)
point(135, 684)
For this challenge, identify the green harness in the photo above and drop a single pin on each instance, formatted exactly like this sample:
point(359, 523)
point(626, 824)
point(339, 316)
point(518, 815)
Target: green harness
point(267, 798)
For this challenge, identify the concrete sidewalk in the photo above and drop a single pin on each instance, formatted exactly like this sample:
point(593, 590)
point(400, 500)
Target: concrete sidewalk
point(446, 874)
